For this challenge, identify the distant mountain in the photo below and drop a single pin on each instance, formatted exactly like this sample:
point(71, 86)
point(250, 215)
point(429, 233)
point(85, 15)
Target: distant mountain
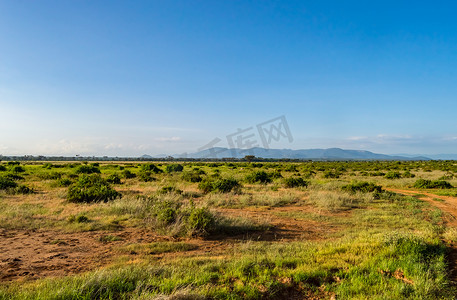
point(318, 154)
point(433, 156)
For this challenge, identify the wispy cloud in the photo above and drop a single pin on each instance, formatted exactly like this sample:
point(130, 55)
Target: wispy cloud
point(168, 139)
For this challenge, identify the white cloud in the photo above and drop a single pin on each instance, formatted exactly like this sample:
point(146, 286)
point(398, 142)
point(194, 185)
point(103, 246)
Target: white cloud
point(168, 139)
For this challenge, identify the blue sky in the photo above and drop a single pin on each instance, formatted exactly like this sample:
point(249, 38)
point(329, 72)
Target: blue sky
point(127, 78)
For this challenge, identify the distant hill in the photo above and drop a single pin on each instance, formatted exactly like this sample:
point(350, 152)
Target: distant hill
point(317, 154)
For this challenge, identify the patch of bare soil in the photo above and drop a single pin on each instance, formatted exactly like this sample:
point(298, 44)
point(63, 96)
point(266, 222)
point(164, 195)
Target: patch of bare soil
point(282, 228)
point(33, 254)
point(27, 254)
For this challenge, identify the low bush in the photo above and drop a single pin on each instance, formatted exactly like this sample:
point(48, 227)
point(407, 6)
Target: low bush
point(292, 182)
point(145, 176)
point(174, 168)
point(151, 168)
point(7, 183)
point(127, 174)
point(63, 182)
point(87, 169)
point(363, 187)
point(2, 168)
point(18, 169)
point(114, 179)
point(221, 185)
point(259, 176)
point(392, 175)
point(432, 184)
point(91, 188)
point(191, 177)
point(169, 189)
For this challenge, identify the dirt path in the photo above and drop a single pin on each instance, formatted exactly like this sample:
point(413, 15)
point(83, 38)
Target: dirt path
point(449, 206)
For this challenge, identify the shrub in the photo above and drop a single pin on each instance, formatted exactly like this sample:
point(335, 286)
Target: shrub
point(12, 176)
point(91, 188)
point(191, 177)
point(364, 187)
point(331, 174)
point(169, 189)
point(151, 168)
point(17, 169)
point(2, 168)
point(174, 168)
point(127, 174)
point(114, 179)
point(432, 184)
point(408, 174)
point(7, 183)
point(166, 212)
point(145, 176)
point(393, 175)
point(292, 182)
point(23, 189)
point(64, 182)
point(200, 221)
point(219, 185)
point(87, 169)
point(259, 176)
point(51, 175)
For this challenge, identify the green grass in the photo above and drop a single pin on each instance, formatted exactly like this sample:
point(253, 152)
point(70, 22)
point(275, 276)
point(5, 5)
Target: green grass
point(374, 245)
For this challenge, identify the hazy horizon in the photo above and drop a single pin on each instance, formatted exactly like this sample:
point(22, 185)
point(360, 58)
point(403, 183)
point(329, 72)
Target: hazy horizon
point(167, 77)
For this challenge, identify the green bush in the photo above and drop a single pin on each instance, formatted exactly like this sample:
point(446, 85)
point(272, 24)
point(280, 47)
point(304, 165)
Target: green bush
point(408, 174)
point(7, 183)
point(145, 176)
point(259, 176)
point(393, 175)
point(219, 185)
point(169, 189)
point(292, 182)
point(151, 168)
point(2, 168)
point(17, 169)
point(432, 184)
point(91, 188)
point(127, 174)
point(191, 177)
point(87, 169)
point(174, 168)
point(364, 187)
point(331, 174)
point(200, 221)
point(64, 182)
point(114, 179)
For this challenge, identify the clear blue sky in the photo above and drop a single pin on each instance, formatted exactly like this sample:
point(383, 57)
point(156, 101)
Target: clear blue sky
point(129, 78)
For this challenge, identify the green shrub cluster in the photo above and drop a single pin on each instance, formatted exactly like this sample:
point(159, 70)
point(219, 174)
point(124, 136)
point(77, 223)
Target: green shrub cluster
point(10, 186)
point(114, 179)
point(127, 174)
point(174, 168)
point(91, 188)
point(393, 175)
point(432, 184)
point(151, 168)
point(259, 176)
point(87, 169)
point(292, 182)
point(221, 185)
point(364, 187)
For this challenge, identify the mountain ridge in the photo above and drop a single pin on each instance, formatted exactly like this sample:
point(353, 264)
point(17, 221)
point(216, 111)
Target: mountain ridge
point(317, 153)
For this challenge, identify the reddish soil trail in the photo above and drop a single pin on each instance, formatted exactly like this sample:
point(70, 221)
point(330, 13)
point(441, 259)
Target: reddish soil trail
point(448, 205)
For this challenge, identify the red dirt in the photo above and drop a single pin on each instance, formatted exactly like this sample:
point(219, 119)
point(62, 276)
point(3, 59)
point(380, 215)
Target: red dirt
point(30, 254)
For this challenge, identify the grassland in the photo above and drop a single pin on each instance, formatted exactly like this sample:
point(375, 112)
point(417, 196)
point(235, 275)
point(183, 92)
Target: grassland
point(196, 230)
